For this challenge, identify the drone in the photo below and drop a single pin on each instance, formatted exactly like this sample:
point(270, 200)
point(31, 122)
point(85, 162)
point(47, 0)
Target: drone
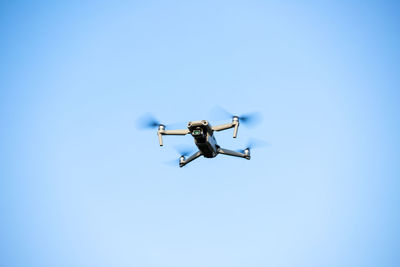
point(203, 134)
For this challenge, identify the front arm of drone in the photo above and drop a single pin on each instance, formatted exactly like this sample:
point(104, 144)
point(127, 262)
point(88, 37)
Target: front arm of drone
point(233, 124)
point(161, 131)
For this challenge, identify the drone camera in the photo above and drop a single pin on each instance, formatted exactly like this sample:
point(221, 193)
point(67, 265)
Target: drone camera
point(197, 132)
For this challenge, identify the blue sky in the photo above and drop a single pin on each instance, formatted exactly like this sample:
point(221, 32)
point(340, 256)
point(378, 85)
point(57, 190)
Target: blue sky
point(80, 185)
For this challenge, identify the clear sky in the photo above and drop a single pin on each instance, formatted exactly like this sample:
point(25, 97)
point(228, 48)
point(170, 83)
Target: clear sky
point(81, 186)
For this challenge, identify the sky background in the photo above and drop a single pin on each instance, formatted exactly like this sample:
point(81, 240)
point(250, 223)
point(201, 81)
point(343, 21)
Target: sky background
point(80, 185)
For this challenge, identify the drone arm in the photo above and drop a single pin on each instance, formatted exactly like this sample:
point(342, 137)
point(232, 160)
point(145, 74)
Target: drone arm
point(175, 132)
point(223, 127)
point(183, 162)
point(162, 132)
point(233, 153)
point(233, 124)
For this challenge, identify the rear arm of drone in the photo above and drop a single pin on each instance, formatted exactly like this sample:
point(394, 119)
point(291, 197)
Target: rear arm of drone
point(161, 131)
point(183, 161)
point(233, 124)
point(228, 152)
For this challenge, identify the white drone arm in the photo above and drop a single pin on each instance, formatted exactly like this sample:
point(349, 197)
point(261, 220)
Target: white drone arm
point(161, 131)
point(228, 152)
point(233, 124)
point(183, 161)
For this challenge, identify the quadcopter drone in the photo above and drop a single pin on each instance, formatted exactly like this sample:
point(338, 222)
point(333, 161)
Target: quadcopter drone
point(203, 134)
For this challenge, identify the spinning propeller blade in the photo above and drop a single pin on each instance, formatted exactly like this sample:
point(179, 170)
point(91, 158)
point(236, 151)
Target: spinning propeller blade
point(254, 143)
point(249, 119)
point(183, 150)
point(147, 121)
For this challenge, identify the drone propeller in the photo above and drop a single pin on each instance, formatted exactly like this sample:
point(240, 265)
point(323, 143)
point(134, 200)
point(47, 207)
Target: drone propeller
point(147, 121)
point(253, 143)
point(183, 150)
point(249, 119)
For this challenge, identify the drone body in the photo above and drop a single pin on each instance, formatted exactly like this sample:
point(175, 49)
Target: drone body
point(203, 134)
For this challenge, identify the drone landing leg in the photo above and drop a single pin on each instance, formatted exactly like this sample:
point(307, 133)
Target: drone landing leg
point(184, 161)
point(233, 153)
